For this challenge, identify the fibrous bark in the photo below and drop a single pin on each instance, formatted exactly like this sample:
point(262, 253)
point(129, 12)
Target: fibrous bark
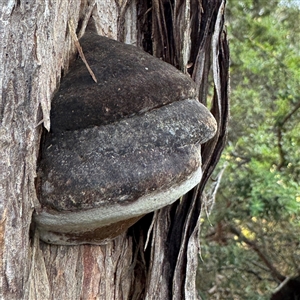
point(35, 50)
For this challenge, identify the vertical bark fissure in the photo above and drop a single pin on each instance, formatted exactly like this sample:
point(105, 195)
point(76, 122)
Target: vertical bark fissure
point(181, 241)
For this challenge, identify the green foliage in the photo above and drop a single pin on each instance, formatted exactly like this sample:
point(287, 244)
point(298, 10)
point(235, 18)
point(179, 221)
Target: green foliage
point(260, 191)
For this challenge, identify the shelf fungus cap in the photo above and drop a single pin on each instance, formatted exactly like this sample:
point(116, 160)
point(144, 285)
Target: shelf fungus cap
point(120, 148)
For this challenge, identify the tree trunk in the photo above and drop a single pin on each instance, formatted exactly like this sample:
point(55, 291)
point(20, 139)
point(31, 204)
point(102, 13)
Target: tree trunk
point(157, 257)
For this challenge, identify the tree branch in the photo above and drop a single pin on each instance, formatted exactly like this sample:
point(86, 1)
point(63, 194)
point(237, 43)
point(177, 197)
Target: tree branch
point(281, 285)
point(288, 116)
point(275, 274)
point(280, 125)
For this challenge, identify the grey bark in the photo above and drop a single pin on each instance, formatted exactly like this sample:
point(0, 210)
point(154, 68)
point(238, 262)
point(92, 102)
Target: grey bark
point(35, 49)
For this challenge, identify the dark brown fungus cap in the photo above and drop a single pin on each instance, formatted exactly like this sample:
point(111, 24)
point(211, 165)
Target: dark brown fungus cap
point(130, 82)
point(120, 148)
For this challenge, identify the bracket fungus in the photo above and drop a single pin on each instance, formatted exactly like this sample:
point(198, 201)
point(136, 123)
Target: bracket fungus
point(120, 148)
